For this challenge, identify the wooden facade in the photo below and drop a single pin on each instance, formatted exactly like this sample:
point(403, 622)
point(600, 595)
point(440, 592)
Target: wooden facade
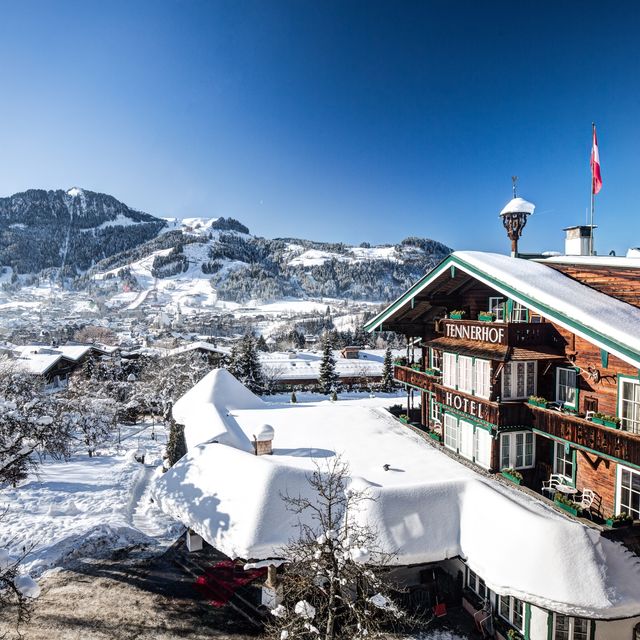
point(590, 455)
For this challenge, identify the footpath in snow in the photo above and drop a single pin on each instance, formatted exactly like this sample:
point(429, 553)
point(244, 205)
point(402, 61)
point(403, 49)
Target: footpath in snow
point(87, 507)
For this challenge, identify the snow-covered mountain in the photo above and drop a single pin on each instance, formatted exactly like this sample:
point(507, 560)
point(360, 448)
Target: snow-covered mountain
point(218, 257)
point(68, 230)
point(96, 242)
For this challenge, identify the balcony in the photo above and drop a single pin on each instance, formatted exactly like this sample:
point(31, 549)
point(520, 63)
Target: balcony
point(585, 434)
point(510, 334)
point(501, 414)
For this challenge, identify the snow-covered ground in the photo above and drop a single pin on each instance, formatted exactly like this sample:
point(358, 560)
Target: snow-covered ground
point(86, 507)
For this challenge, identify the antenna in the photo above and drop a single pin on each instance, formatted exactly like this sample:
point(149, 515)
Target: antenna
point(514, 179)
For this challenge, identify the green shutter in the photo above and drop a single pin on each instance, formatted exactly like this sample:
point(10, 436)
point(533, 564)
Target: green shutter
point(604, 358)
point(527, 621)
point(453, 270)
point(549, 626)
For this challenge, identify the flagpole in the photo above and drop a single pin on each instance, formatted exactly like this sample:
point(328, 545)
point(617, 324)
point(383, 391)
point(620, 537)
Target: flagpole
point(593, 128)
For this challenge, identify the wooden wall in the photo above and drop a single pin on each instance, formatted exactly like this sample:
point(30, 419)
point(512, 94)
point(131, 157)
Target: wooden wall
point(599, 475)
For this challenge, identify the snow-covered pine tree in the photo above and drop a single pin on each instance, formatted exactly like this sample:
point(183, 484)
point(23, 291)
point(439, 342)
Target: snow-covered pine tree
point(246, 366)
point(176, 445)
point(387, 384)
point(328, 377)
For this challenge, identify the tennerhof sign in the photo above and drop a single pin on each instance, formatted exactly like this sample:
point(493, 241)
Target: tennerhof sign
point(480, 332)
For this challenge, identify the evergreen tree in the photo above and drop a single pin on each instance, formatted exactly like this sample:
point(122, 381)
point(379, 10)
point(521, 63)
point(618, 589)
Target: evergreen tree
point(388, 382)
point(245, 364)
point(177, 445)
point(328, 377)
point(261, 344)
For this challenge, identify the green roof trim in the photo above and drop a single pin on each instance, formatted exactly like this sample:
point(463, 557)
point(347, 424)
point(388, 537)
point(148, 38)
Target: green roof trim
point(603, 341)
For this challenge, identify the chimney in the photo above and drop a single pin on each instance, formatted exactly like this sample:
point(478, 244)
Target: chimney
point(263, 442)
point(578, 240)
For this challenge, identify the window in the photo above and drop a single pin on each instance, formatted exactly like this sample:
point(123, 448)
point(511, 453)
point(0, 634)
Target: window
point(591, 404)
point(449, 370)
point(482, 452)
point(496, 306)
point(512, 610)
point(450, 432)
point(566, 386)
point(563, 461)
point(482, 383)
point(517, 450)
point(436, 410)
point(630, 405)
point(465, 439)
point(477, 585)
point(519, 313)
point(629, 492)
point(465, 374)
point(518, 380)
point(436, 357)
point(568, 628)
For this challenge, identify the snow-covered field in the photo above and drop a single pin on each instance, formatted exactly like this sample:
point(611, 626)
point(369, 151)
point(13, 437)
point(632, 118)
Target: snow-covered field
point(86, 507)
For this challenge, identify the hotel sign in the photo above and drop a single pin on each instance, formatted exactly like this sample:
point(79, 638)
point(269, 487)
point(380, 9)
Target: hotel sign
point(479, 332)
point(466, 405)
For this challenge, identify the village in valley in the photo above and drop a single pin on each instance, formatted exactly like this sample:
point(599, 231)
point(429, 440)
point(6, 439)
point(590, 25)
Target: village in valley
point(345, 381)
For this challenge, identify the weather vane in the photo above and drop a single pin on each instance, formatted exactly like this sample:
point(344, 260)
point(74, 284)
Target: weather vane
point(514, 179)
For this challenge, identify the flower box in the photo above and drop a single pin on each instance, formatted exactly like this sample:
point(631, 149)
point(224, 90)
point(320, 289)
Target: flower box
point(513, 478)
point(538, 403)
point(606, 421)
point(435, 436)
point(567, 507)
point(404, 419)
point(456, 315)
point(486, 317)
point(415, 367)
point(618, 522)
point(611, 423)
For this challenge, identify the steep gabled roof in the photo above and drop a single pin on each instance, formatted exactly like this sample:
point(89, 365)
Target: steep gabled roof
point(605, 321)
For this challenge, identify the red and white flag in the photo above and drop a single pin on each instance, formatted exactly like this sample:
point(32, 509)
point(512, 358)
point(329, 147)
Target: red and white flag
point(596, 177)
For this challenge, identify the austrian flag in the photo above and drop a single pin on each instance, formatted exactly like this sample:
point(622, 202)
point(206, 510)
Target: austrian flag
point(596, 177)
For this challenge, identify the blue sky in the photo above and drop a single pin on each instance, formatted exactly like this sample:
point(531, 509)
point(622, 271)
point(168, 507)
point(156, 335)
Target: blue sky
point(342, 121)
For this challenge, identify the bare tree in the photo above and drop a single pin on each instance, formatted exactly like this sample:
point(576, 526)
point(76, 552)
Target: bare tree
point(333, 585)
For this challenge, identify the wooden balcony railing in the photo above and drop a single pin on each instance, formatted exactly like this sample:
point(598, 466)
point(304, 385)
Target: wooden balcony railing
point(512, 334)
point(501, 414)
point(615, 443)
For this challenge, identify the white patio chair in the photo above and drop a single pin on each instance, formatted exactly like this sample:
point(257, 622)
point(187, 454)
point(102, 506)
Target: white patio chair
point(586, 500)
point(550, 485)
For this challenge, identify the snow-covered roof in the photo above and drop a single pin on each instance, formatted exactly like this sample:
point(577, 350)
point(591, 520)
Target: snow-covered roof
point(199, 344)
point(631, 262)
point(605, 321)
point(425, 508)
point(518, 205)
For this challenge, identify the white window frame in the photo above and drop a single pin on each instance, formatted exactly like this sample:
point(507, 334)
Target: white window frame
point(450, 423)
point(621, 471)
point(465, 374)
point(468, 428)
point(570, 398)
point(482, 378)
point(435, 359)
point(519, 313)
point(496, 306)
point(571, 631)
point(509, 368)
point(435, 410)
point(511, 611)
point(511, 437)
point(449, 369)
point(631, 424)
point(565, 463)
point(475, 583)
point(479, 459)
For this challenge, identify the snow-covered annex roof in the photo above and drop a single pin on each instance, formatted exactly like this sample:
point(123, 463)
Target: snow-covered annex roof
point(605, 321)
point(426, 507)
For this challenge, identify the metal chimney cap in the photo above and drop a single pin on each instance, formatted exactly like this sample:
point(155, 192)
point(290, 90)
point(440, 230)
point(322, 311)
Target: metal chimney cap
point(518, 205)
